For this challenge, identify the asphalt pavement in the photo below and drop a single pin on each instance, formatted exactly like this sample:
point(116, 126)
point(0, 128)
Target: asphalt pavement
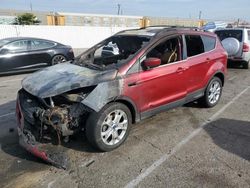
point(189, 146)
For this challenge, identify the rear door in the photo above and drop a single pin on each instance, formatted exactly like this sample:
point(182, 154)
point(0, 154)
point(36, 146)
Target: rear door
point(199, 59)
point(40, 52)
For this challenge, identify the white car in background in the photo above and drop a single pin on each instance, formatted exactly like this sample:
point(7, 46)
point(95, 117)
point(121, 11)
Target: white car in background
point(236, 42)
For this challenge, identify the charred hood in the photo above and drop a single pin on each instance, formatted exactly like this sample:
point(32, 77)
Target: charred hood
point(64, 77)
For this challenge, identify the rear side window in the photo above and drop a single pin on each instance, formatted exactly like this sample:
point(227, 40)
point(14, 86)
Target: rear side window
point(194, 45)
point(40, 44)
point(223, 34)
point(209, 43)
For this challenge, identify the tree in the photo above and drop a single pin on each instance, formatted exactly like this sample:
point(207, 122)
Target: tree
point(26, 19)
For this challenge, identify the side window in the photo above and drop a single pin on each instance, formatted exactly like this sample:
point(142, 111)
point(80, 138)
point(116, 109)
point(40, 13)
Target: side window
point(208, 42)
point(168, 51)
point(194, 45)
point(40, 44)
point(248, 33)
point(18, 46)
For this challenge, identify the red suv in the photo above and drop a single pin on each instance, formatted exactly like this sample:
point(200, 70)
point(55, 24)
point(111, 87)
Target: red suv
point(120, 81)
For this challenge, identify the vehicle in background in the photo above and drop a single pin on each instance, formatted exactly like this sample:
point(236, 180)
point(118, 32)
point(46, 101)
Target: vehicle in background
point(236, 42)
point(21, 54)
point(128, 77)
point(212, 26)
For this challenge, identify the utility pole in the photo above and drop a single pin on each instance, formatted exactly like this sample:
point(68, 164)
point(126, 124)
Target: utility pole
point(200, 13)
point(31, 7)
point(119, 9)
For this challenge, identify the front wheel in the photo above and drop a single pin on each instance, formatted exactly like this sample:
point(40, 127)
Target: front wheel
point(213, 93)
point(109, 128)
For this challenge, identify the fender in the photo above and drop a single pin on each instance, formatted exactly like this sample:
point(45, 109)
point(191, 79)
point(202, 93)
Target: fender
point(131, 105)
point(220, 67)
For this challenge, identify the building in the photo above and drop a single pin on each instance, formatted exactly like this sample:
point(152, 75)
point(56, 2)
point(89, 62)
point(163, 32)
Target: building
point(100, 20)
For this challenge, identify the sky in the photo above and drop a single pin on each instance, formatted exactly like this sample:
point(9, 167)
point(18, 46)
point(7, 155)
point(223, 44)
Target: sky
point(210, 9)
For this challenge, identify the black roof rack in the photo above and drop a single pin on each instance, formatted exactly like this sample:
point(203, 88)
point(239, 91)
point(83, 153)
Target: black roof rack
point(174, 27)
point(244, 27)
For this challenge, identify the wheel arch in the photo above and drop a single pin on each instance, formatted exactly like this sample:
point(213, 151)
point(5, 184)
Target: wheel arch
point(221, 76)
point(131, 106)
point(218, 74)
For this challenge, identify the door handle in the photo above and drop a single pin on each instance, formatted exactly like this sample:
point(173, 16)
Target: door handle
point(132, 84)
point(180, 69)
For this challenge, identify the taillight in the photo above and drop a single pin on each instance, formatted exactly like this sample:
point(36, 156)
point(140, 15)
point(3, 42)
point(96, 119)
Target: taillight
point(246, 47)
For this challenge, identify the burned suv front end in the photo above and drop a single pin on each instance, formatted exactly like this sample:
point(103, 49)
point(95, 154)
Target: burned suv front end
point(54, 104)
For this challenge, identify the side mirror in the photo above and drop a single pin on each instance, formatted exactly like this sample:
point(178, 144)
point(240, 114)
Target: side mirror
point(151, 63)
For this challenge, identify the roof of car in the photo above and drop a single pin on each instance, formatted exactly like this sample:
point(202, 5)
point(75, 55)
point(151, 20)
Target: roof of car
point(11, 39)
point(161, 30)
point(229, 29)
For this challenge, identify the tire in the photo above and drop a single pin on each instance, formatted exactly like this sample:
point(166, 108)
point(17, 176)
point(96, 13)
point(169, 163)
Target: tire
point(246, 65)
point(58, 59)
point(102, 130)
point(212, 96)
point(231, 45)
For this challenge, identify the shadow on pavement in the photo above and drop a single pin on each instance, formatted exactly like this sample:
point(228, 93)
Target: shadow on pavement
point(194, 104)
point(7, 108)
point(234, 65)
point(231, 135)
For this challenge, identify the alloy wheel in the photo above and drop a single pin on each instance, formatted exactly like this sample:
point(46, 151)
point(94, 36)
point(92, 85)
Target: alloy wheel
point(214, 92)
point(114, 127)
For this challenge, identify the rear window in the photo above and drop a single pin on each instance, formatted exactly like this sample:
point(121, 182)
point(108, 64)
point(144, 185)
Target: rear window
point(209, 43)
point(237, 34)
point(40, 44)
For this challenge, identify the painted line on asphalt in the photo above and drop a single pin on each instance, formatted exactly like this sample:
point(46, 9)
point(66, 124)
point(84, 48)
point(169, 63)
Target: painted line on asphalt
point(166, 156)
point(4, 115)
point(230, 79)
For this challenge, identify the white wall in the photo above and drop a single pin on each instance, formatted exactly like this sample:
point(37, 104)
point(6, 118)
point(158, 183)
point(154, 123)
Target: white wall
point(76, 36)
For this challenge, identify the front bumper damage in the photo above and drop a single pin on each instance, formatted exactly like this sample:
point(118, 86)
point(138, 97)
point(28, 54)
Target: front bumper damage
point(27, 141)
point(39, 138)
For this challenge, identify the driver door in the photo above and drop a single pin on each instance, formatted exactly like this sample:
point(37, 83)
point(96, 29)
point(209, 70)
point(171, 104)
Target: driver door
point(163, 87)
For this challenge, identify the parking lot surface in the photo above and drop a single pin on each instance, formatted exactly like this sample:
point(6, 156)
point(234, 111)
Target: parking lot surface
point(188, 146)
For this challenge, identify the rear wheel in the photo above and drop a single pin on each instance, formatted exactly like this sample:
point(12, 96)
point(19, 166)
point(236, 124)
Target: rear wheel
point(213, 93)
point(58, 59)
point(109, 128)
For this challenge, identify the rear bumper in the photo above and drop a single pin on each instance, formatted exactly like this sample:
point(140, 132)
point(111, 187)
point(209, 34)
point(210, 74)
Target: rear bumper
point(47, 152)
point(237, 59)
